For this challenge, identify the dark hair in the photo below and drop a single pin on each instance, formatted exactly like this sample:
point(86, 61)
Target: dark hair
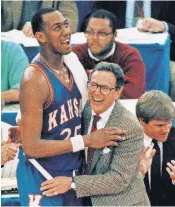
point(111, 67)
point(104, 14)
point(37, 20)
point(155, 105)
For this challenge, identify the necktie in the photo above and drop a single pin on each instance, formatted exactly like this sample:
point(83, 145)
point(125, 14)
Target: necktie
point(91, 150)
point(156, 180)
point(138, 12)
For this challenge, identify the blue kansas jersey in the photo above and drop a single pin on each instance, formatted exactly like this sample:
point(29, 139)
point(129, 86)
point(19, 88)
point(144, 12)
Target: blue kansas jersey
point(61, 120)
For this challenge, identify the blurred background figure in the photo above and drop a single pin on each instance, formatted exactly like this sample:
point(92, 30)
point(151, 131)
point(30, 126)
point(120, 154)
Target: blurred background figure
point(18, 14)
point(9, 159)
point(155, 112)
point(9, 150)
point(13, 63)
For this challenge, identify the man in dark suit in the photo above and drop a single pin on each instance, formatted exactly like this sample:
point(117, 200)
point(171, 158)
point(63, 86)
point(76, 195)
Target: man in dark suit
point(155, 112)
point(112, 177)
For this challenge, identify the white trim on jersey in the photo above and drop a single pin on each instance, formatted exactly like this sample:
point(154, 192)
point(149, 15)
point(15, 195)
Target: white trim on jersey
point(79, 74)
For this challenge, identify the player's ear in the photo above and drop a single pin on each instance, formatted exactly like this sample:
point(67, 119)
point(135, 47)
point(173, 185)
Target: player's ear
point(41, 38)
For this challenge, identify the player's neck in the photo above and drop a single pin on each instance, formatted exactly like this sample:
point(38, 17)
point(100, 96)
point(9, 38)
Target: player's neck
point(53, 61)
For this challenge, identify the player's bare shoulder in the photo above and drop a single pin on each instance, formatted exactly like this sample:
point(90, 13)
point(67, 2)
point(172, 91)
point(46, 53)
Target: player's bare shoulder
point(34, 83)
point(32, 73)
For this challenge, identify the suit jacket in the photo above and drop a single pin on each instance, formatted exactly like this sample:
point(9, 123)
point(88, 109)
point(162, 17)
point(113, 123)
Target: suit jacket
point(11, 13)
point(161, 10)
point(115, 178)
point(164, 197)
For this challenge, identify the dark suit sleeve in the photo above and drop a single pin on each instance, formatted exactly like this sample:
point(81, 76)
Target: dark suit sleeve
point(121, 171)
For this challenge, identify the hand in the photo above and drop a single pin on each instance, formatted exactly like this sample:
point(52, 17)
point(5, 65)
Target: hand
point(146, 160)
point(8, 152)
point(104, 137)
point(55, 186)
point(171, 169)
point(14, 133)
point(150, 25)
point(27, 30)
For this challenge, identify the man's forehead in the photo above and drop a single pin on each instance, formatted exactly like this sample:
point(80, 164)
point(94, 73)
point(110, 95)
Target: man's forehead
point(102, 73)
point(161, 122)
point(106, 77)
point(53, 17)
point(99, 22)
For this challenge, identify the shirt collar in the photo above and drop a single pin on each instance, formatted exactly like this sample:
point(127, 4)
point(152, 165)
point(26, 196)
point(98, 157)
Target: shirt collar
point(108, 55)
point(147, 140)
point(105, 115)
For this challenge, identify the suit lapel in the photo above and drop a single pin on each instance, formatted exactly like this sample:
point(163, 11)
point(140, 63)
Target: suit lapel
point(87, 113)
point(113, 119)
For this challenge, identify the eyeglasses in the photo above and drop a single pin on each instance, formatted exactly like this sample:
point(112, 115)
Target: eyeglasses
point(100, 35)
point(105, 90)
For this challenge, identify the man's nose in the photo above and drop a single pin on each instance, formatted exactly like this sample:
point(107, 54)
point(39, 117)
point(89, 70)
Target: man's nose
point(95, 35)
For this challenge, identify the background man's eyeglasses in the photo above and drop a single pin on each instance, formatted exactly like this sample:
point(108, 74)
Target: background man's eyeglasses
point(100, 35)
point(105, 90)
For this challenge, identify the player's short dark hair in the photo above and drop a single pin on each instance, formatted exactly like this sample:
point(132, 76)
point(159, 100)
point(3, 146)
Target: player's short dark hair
point(37, 20)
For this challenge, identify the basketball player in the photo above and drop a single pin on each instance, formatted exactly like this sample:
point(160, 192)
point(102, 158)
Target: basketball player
point(52, 95)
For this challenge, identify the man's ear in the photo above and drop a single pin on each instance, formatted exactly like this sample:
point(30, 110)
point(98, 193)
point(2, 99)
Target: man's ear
point(115, 34)
point(118, 92)
point(141, 122)
point(40, 37)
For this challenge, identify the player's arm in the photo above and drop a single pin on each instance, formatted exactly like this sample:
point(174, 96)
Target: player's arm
point(34, 93)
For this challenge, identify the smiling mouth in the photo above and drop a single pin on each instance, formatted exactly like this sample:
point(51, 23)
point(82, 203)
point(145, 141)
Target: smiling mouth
point(66, 41)
point(97, 100)
point(164, 134)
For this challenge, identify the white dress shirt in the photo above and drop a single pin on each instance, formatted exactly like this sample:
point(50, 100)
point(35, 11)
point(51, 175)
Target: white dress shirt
point(104, 118)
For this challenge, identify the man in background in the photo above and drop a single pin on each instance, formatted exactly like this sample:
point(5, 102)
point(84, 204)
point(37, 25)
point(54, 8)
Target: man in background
point(157, 16)
point(13, 63)
point(155, 112)
point(101, 46)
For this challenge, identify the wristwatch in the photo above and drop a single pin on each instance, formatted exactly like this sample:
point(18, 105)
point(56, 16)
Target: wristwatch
point(73, 184)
